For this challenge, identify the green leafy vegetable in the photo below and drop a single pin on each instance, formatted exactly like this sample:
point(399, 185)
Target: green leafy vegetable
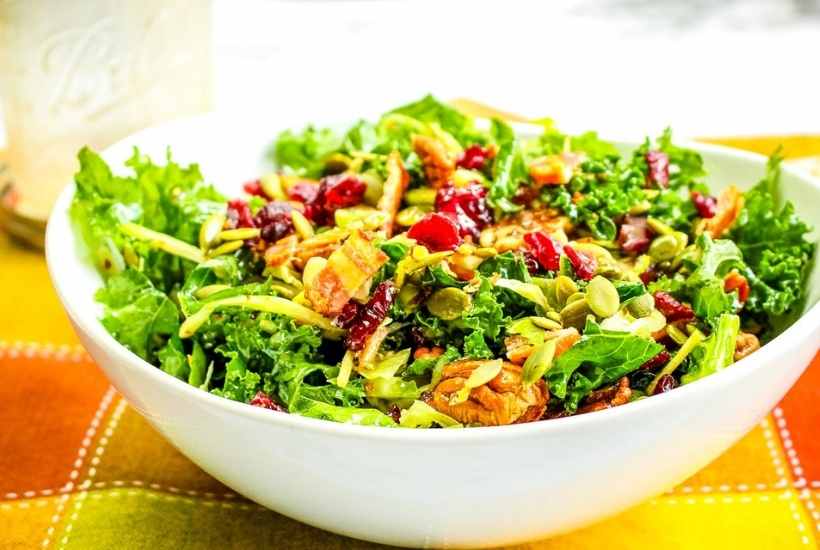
point(137, 314)
point(716, 352)
point(600, 357)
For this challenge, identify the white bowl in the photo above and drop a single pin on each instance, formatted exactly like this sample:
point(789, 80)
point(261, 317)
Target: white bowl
point(471, 487)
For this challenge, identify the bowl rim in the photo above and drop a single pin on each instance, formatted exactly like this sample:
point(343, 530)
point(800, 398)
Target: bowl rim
point(799, 334)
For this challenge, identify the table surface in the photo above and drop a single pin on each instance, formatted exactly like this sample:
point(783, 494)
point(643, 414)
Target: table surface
point(84, 470)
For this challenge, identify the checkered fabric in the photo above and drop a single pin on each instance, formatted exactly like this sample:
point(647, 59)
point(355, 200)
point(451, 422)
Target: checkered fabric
point(81, 469)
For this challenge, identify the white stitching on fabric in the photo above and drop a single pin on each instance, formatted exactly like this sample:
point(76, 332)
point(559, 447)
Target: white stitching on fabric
point(95, 460)
point(30, 350)
point(105, 402)
point(797, 468)
point(118, 483)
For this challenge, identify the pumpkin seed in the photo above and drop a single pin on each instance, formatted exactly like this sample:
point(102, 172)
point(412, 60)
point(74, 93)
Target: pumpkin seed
point(481, 375)
point(407, 297)
point(641, 306)
point(538, 363)
point(448, 303)
point(225, 248)
point(487, 237)
point(574, 297)
point(546, 323)
point(302, 225)
point(421, 196)
point(312, 268)
point(271, 184)
point(659, 227)
point(554, 315)
point(210, 229)
point(240, 234)
point(602, 297)
point(564, 288)
point(663, 248)
point(575, 314)
point(486, 252)
point(367, 216)
point(412, 214)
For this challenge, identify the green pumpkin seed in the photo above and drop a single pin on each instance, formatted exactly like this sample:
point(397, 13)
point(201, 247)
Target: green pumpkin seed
point(412, 214)
point(546, 323)
point(421, 196)
point(564, 288)
point(538, 363)
point(663, 248)
point(225, 248)
point(407, 297)
point(448, 303)
point(554, 315)
point(302, 225)
point(575, 297)
point(659, 227)
point(575, 314)
point(641, 306)
point(240, 234)
point(602, 297)
point(271, 185)
point(210, 229)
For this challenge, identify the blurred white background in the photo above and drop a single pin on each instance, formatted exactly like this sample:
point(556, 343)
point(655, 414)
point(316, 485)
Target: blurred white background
point(634, 66)
point(706, 67)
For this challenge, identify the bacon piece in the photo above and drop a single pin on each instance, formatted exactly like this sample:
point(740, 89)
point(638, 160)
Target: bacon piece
point(394, 187)
point(347, 269)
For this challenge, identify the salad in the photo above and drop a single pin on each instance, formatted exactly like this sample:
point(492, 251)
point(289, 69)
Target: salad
point(429, 270)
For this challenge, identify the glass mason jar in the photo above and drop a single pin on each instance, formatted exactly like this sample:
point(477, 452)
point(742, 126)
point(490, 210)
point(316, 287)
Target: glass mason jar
point(90, 73)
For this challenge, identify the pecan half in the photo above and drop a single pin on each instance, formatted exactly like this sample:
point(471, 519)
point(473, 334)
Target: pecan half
point(503, 400)
point(745, 344)
point(608, 397)
point(439, 166)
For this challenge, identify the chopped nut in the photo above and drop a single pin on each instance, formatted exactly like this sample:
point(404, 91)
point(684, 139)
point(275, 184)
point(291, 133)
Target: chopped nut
point(439, 166)
point(502, 400)
point(745, 344)
point(608, 397)
point(281, 251)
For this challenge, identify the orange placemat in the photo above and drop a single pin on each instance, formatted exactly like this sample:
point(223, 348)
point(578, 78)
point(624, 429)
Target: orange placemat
point(81, 469)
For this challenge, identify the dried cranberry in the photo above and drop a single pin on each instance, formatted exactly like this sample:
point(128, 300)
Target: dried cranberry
point(475, 157)
point(417, 337)
point(468, 205)
point(239, 214)
point(530, 261)
point(341, 191)
point(263, 400)
point(649, 276)
point(706, 205)
point(332, 193)
point(274, 220)
point(634, 235)
point(661, 358)
point(368, 317)
point(658, 164)
point(546, 249)
point(436, 231)
point(426, 396)
point(254, 188)
point(304, 192)
point(672, 309)
point(348, 315)
point(666, 383)
point(395, 413)
point(583, 264)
